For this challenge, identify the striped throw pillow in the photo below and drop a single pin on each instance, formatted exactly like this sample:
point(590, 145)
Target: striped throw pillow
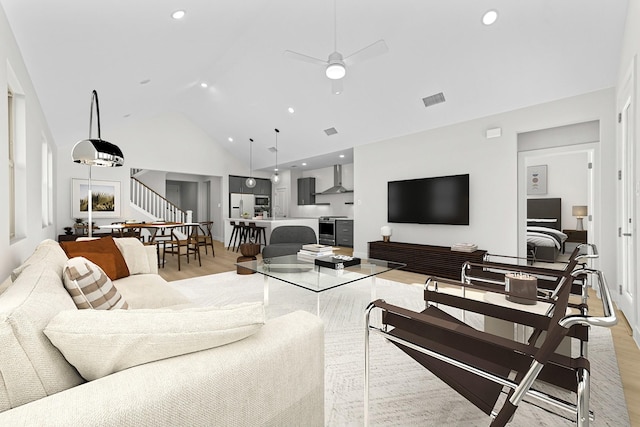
point(90, 287)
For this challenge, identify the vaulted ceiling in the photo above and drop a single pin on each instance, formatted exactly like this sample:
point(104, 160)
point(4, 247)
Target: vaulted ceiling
point(143, 62)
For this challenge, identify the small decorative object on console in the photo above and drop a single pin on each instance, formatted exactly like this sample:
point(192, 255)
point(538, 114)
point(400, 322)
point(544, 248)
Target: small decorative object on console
point(521, 288)
point(337, 262)
point(464, 247)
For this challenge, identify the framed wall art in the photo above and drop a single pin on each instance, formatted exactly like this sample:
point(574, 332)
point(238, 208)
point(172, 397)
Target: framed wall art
point(105, 195)
point(537, 179)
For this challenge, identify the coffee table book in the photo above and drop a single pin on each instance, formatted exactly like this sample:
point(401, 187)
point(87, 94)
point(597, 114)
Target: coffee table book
point(316, 247)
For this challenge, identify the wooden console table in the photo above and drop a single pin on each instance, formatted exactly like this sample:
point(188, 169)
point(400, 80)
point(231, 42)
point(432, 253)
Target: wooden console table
point(425, 259)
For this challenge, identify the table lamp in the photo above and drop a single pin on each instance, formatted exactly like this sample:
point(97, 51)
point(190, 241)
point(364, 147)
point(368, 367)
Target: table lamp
point(579, 212)
point(386, 233)
point(95, 152)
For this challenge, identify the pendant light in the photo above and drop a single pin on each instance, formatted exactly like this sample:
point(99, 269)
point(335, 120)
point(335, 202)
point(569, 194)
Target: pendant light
point(250, 182)
point(95, 152)
point(275, 178)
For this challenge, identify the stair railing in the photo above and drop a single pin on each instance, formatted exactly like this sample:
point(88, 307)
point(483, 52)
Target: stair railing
point(156, 205)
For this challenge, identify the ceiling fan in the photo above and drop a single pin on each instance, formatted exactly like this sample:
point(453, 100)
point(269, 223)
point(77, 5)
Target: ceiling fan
point(336, 65)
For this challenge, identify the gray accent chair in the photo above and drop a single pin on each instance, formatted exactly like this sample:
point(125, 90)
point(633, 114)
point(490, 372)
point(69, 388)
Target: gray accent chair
point(288, 240)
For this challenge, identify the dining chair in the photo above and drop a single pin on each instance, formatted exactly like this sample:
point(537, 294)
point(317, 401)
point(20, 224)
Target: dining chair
point(180, 240)
point(206, 238)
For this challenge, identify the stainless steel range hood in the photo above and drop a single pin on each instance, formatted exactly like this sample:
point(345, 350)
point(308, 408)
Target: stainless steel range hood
point(337, 182)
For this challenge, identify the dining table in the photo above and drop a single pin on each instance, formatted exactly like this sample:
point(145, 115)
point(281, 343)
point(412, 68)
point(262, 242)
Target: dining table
point(156, 229)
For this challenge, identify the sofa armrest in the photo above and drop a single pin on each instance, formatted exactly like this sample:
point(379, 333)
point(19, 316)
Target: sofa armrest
point(274, 377)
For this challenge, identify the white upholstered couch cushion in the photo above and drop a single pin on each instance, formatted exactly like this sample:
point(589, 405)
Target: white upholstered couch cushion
point(100, 342)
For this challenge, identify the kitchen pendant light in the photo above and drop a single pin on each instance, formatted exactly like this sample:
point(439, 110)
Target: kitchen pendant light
point(275, 178)
point(250, 182)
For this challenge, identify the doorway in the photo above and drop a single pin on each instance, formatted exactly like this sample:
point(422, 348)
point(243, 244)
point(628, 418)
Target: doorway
point(627, 287)
point(570, 156)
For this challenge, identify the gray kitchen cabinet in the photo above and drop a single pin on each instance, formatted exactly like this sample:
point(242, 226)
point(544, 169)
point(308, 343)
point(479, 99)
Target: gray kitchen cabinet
point(236, 185)
point(344, 232)
point(263, 187)
point(306, 191)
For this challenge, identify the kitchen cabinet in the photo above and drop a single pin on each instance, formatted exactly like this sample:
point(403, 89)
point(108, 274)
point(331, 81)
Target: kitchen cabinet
point(263, 187)
point(237, 185)
point(306, 191)
point(344, 233)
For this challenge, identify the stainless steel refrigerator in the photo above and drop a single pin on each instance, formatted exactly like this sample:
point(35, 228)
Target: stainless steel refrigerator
point(241, 203)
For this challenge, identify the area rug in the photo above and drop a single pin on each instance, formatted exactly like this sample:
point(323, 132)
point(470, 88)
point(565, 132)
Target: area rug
point(402, 392)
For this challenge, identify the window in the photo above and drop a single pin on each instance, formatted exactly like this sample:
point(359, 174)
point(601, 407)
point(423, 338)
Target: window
point(47, 184)
point(17, 193)
point(12, 165)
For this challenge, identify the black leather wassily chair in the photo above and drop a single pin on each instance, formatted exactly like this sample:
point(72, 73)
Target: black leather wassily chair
point(481, 366)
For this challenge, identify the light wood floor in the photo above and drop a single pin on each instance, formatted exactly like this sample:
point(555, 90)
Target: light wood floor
point(627, 352)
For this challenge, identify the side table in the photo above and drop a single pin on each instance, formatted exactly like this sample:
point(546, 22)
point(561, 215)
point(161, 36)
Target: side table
point(574, 236)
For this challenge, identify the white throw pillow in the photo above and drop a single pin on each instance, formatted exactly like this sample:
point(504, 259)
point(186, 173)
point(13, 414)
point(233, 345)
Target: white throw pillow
point(90, 287)
point(98, 343)
point(134, 254)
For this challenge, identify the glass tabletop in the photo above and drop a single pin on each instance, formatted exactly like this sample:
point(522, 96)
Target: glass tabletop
point(307, 275)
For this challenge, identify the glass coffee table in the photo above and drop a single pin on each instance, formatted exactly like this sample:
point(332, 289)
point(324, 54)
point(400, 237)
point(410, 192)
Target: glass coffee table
point(307, 275)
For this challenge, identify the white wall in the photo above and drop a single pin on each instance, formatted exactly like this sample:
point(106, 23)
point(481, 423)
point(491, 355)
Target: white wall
point(168, 142)
point(13, 253)
point(493, 168)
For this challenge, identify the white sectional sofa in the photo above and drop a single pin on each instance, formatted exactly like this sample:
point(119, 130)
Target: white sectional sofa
point(274, 376)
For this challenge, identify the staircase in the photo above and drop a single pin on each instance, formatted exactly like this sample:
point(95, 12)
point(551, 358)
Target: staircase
point(156, 205)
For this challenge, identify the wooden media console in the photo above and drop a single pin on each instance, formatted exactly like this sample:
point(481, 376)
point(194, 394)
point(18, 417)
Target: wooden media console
point(425, 259)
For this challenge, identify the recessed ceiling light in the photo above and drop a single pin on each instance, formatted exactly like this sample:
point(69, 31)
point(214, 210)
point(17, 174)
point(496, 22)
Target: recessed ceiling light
point(304, 164)
point(342, 156)
point(178, 14)
point(490, 17)
point(291, 110)
point(204, 85)
point(230, 139)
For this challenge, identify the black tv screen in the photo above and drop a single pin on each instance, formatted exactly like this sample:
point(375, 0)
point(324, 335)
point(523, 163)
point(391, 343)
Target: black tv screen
point(437, 200)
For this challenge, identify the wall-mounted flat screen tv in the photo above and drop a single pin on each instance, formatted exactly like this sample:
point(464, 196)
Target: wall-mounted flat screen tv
point(436, 200)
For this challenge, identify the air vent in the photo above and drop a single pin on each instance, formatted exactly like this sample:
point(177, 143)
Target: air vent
point(272, 149)
point(330, 131)
point(438, 98)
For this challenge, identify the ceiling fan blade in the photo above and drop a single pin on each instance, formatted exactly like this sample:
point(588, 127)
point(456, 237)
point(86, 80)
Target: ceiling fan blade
point(336, 86)
point(300, 57)
point(374, 49)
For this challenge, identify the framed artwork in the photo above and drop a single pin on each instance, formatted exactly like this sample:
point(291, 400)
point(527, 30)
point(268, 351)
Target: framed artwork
point(105, 195)
point(537, 179)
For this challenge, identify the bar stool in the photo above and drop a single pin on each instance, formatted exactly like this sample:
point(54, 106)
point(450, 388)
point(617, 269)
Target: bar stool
point(245, 234)
point(236, 233)
point(257, 233)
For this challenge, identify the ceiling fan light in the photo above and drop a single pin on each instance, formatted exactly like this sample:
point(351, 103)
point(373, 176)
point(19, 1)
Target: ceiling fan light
point(335, 71)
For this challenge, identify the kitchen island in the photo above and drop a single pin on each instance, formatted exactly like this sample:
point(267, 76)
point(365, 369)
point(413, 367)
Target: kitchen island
point(270, 224)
